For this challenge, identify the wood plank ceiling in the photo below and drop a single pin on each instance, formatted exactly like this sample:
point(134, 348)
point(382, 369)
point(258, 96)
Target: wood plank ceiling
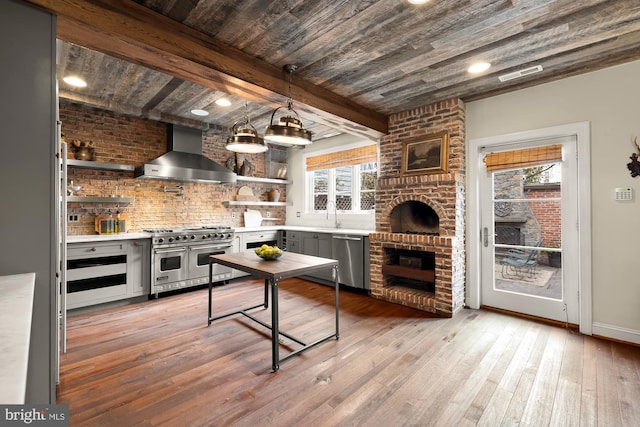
point(359, 60)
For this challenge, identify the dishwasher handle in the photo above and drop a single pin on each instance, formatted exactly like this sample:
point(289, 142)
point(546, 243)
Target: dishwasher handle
point(356, 239)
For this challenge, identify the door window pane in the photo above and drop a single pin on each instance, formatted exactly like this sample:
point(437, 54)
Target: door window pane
point(528, 226)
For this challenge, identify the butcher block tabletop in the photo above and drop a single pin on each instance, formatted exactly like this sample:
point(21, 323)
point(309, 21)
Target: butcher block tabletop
point(290, 264)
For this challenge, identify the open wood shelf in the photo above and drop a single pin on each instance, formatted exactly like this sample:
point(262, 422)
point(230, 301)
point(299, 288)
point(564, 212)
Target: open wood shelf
point(409, 273)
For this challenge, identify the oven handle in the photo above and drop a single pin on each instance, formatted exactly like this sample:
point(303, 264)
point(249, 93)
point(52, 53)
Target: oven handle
point(167, 251)
point(214, 247)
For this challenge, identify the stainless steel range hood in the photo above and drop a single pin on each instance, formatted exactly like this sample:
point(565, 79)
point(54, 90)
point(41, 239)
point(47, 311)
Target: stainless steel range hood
point(184, 161)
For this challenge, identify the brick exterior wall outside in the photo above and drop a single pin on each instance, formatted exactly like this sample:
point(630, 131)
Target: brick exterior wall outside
point(547, 214)
point(444, 193)
point(134, 141)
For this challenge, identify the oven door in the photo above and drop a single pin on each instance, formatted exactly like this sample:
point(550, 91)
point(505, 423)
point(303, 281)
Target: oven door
point(169, 265)
point(199, 263)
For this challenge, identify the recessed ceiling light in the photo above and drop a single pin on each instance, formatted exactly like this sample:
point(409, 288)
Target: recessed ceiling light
point(478, 67)
point(223, 102)
point(75, 81)
point(198, 112)
point(418, 1)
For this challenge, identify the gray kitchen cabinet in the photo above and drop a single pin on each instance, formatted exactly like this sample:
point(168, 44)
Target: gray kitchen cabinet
point(138, 268)
point(100, 272)
point(318, 244)
point(238, 245)
point(293, 242)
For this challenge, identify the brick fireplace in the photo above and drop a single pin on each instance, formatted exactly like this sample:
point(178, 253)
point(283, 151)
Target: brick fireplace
point(417, 252)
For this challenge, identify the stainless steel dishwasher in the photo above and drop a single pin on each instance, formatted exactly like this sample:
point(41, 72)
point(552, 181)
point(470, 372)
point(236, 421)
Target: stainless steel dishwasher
point(349, 251)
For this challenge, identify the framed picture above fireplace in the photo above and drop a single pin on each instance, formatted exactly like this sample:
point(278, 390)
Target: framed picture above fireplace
point(426, 154)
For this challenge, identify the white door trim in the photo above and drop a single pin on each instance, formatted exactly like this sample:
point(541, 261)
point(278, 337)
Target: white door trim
point(581, 131)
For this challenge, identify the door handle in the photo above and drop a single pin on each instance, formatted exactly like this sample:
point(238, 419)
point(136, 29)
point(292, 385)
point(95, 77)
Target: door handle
point(486, 237)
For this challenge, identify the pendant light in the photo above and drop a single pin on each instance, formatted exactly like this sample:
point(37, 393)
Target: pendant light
point(244, 137)
point(289, 129)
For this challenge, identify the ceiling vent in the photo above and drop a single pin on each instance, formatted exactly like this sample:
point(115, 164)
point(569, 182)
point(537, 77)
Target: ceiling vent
point(521, 73)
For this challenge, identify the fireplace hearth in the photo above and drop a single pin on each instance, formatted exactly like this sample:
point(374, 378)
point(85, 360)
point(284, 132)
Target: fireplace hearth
point(413, 270)
point(428, 220)
point(423, 233)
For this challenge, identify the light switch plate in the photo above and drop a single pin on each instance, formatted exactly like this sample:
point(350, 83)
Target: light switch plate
point(624, 194)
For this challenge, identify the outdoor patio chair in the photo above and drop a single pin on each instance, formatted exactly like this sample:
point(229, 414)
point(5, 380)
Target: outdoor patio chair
point(518, 262)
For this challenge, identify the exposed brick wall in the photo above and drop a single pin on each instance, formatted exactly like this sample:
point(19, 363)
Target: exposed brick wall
point(547, 212)
point(134, 141)
point(431, 119)
point(444, 193)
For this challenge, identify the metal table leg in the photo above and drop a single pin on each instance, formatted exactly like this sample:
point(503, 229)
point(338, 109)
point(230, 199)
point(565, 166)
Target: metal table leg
point(210, 291)
point(337, 287)
point(275, 332)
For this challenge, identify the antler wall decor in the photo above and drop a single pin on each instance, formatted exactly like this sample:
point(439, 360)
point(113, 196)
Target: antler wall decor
point(634, 166)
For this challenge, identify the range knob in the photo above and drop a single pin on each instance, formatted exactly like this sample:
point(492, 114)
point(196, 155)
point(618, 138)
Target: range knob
point(177, 238)
point(193, 236)
point(170, 239)
point(204, 237)
point(161, 239)
point(209, 236)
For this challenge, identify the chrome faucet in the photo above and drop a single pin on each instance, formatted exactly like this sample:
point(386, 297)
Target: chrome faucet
point(335, 211)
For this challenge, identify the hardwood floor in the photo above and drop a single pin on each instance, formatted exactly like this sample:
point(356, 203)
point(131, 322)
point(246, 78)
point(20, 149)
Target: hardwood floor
point(157, 363)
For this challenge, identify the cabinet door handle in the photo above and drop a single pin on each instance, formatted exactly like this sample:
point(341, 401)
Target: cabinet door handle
point(486, 237)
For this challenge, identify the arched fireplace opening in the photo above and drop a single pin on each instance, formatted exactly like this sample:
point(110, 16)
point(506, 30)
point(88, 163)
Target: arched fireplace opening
point(414, 217)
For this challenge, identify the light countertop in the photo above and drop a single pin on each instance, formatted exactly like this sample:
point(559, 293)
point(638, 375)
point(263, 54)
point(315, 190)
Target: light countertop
point(88, 238)
point(353, 231)
point(16, 307)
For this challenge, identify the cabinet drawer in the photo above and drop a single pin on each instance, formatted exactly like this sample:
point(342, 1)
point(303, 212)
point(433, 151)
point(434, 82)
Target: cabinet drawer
point(293, 235)
point(96, 271)
point(96, 296)
point(91, 250)
point(261, 236)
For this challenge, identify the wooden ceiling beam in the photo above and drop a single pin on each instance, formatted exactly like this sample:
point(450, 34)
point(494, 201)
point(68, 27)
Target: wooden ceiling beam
point(129, 31)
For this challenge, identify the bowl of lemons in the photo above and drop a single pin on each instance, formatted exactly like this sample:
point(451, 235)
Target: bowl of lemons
point(267, 252)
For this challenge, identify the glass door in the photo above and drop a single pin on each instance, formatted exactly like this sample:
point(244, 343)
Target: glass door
point(528, 203)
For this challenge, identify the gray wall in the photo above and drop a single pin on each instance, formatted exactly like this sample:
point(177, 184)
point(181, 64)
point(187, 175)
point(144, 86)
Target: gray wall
point(27, 184)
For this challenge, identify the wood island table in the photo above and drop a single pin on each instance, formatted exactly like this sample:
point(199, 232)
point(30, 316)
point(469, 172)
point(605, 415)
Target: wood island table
point(288, 265)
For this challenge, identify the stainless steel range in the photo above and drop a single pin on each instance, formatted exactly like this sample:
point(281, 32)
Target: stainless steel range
point(180, 256)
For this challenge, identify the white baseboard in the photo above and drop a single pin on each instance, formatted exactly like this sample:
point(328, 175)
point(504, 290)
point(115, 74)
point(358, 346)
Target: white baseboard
point(616, 332)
